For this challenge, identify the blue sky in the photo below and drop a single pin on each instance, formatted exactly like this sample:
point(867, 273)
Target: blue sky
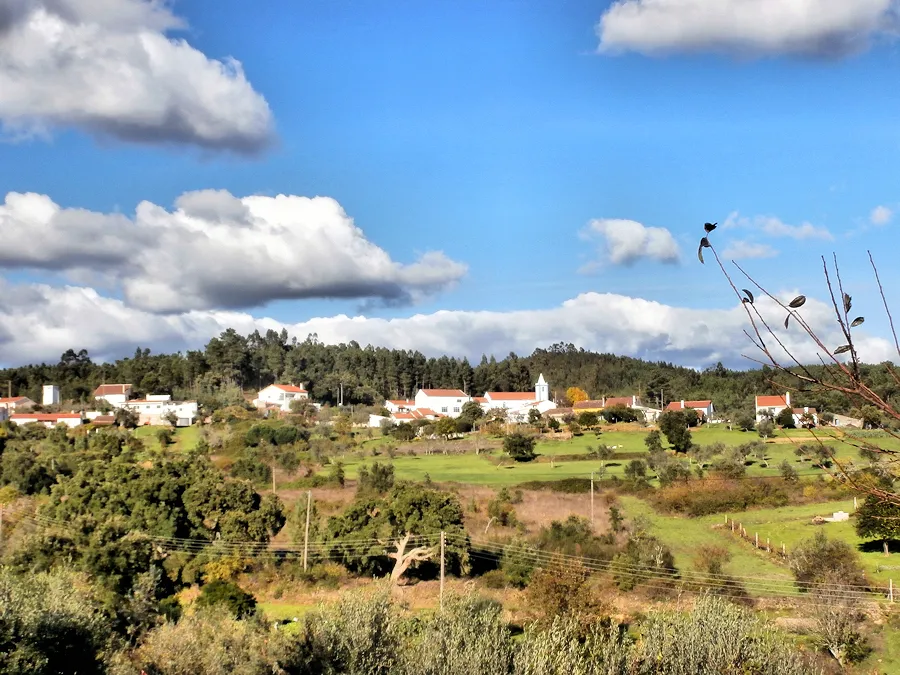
point(495, 132)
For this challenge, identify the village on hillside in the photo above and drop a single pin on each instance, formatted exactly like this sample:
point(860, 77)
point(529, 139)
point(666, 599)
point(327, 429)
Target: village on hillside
point(113, 403)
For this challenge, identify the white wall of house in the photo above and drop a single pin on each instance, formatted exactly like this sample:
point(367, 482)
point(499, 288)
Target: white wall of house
point(773, 409)
point(443, 404)
point(280, 395)
point(153, 411)
point(399, 406)
point(115, 400)
point(49, 421)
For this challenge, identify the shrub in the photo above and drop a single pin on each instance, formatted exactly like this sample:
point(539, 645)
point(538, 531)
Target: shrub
point(49, 624)
point(561, 589)
point(517, 564)
point(501, 509)
point(644, 558)
point(227, 595)
point(816, 560)
point(704, 497)
point(519, 446)
point(251, 468)
point(208, 643)
point(377, 477)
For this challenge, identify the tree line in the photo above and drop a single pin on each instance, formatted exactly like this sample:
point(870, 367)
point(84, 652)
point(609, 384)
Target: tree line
point(231, 364)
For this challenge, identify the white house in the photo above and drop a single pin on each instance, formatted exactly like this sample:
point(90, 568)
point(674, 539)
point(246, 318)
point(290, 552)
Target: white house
point(800, 413)
point(705, 408)
point(48, 420)
point(771, 404)
point(8, 406)
point(50, 395)
point(447, 402)
point(114, 394)
point(518, 404)
point(279, 395)
point(155, 409)
point(399, 405)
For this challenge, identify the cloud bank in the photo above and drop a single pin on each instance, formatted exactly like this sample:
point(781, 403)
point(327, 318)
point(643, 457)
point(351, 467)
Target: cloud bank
point(215, 250)
point(809, 28)
point(39, 322)
point(109, 67)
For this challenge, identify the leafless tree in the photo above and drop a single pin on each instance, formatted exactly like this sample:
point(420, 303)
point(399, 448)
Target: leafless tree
point(839, 366)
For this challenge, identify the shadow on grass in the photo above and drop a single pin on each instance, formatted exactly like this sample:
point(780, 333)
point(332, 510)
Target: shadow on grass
point(877, 546)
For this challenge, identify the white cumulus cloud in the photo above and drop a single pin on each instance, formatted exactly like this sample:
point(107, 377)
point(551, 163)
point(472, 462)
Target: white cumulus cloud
point(111, 68)
point(881, 215)
point(818, 28)
point(39, 322)
point(775, 227)
point(627, 241)
point(215, 250)
point(740, 249)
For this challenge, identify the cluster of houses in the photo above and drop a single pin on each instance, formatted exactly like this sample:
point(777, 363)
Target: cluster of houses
point(154, 409)
point(432, 404)
point(428, 404)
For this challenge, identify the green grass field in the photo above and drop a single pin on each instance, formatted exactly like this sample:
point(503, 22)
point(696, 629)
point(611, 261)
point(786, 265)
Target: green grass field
point(792, 524)
point(186, 438)
point(684, 536)
point(483, 469)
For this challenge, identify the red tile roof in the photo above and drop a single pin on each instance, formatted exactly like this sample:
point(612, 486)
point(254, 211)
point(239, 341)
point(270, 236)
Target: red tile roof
point(45, 417)
point(771, 402)
point(676, 405)
point(403, 416)
point(103, 420)
point(290, 388)
point(110, 389)
point(588, 405)
point(14, 399)
point(480, 399)
point(445, 393)
point(401, 402)
point(511, 395)
point(801, 411)
point(627, 401)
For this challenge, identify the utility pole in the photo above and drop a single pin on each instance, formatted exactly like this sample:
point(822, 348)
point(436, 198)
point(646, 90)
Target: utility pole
point(442, 569)
point(592, 500)
point(306, 532)
point(341, 398)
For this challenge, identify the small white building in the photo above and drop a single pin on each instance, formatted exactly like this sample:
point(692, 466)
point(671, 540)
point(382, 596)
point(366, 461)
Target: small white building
point(802, 416)
point(771, 405)
point(399, 405)
point(50, 395)
point(447, 402)
point(155, 409)
point(114, 394)
point(49, 420)
point(279, 395)
point(9, 406)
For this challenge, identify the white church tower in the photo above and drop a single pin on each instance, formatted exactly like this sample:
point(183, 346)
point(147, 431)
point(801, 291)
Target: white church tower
point(542, 389)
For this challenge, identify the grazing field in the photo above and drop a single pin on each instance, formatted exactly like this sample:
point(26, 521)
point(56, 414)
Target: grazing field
point(792, 524)
point(186, 438)
point(560, 459)
point(685, 535)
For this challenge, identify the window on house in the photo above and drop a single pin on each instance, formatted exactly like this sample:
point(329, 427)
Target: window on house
point(456, 409)
point(444, 409)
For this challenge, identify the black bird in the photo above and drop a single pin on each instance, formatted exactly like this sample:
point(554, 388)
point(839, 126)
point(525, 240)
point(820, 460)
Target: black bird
point(709, 227)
